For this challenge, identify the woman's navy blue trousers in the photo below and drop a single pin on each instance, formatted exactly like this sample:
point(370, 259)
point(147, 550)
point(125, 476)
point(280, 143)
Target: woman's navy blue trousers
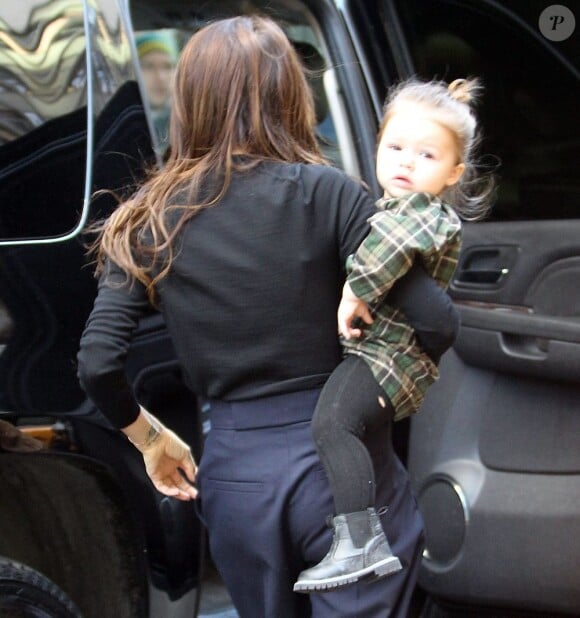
point(264, 498)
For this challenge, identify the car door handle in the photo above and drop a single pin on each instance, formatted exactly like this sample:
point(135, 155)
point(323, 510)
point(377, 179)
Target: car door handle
point(485, 266)
point(481, 276)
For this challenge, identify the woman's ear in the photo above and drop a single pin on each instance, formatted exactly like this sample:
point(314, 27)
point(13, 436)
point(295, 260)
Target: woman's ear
point(455, 175)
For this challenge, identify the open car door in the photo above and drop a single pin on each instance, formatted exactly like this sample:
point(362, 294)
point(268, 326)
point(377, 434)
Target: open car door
point(494, 452)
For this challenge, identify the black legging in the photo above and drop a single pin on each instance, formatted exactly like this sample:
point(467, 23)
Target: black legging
point(351, 404)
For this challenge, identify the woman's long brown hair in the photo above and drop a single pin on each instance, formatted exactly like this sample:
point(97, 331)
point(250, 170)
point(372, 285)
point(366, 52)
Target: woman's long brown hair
point(240, 89)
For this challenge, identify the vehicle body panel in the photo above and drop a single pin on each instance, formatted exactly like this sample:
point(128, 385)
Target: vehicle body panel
point(494, 450)
point(493, 453)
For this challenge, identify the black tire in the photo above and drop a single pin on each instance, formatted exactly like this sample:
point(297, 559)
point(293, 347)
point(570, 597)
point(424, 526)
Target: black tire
point(26, 593)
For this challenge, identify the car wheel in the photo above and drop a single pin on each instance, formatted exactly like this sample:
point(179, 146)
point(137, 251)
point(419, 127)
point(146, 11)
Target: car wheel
point(26, 593)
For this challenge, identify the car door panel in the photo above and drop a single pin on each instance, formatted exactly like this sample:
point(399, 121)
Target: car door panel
point(494, 460)
point(494, 450)
point(516, 290)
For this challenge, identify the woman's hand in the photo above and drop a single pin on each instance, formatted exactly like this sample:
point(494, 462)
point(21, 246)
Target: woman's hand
point(167, 457)
point(351, 307)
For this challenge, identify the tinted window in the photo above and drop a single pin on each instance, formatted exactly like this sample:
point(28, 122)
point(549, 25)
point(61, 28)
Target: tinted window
point(47, 288)
point(529, 111)
point(157, 48)
point(43, 123)
point(43, 76)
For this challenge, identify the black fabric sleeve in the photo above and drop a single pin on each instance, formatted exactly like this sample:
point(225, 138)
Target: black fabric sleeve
point(357, 208)
point(429, 310)
point(347, 204)
point(105, 342)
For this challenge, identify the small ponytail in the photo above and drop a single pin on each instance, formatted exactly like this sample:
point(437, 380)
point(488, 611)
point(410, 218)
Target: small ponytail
point(465, 90)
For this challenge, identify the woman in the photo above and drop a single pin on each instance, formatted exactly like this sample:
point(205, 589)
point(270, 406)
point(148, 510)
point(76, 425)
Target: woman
point(241, 241)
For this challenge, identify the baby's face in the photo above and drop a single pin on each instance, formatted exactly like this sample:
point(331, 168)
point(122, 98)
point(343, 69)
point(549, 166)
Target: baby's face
point(416, 154)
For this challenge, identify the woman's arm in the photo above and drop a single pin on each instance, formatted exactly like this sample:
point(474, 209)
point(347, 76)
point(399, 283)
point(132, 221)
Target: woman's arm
point(105, 343)
point(388, 262)
point(102, 373)
point(428, 309)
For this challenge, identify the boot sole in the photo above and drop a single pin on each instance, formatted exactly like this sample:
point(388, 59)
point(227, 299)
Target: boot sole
point(377, 571)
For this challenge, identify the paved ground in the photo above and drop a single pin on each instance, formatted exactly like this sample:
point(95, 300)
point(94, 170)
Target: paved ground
point(231, 613)
point(215, 601)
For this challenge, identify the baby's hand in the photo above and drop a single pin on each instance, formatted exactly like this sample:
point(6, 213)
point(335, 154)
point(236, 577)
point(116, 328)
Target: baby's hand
point(350, 308)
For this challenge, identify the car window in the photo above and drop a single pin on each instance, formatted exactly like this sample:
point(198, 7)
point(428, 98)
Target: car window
point(529, 109)
point(158, 51)
point(39, 59)
point(54, 108)
point(160, 34)
point(43, 122)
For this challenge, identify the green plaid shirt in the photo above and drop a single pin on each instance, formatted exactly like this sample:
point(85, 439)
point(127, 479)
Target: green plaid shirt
point(417, 225)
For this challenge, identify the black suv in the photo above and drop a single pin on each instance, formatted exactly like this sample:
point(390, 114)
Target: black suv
point(494, 454)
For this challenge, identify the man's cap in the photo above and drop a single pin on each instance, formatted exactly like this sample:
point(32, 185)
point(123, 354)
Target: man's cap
point(157, 41)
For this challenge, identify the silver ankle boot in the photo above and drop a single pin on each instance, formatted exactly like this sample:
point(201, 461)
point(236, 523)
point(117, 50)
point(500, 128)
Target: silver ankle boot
point(359, 549)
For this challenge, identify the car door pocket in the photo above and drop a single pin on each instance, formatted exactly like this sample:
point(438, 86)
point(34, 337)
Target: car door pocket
point(519, 322)
point(516, 340)
point(484, 267)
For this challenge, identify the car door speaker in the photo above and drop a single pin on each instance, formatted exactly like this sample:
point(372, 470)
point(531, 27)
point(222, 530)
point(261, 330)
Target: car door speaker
point(444, 509)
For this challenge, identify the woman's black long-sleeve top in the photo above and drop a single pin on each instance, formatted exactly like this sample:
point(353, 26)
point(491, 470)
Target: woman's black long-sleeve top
point(250, 301)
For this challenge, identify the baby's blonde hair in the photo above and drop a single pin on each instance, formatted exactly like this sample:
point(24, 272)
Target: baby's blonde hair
point(452, 106)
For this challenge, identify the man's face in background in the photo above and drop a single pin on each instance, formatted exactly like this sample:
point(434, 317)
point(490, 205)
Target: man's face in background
point(158, 68)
